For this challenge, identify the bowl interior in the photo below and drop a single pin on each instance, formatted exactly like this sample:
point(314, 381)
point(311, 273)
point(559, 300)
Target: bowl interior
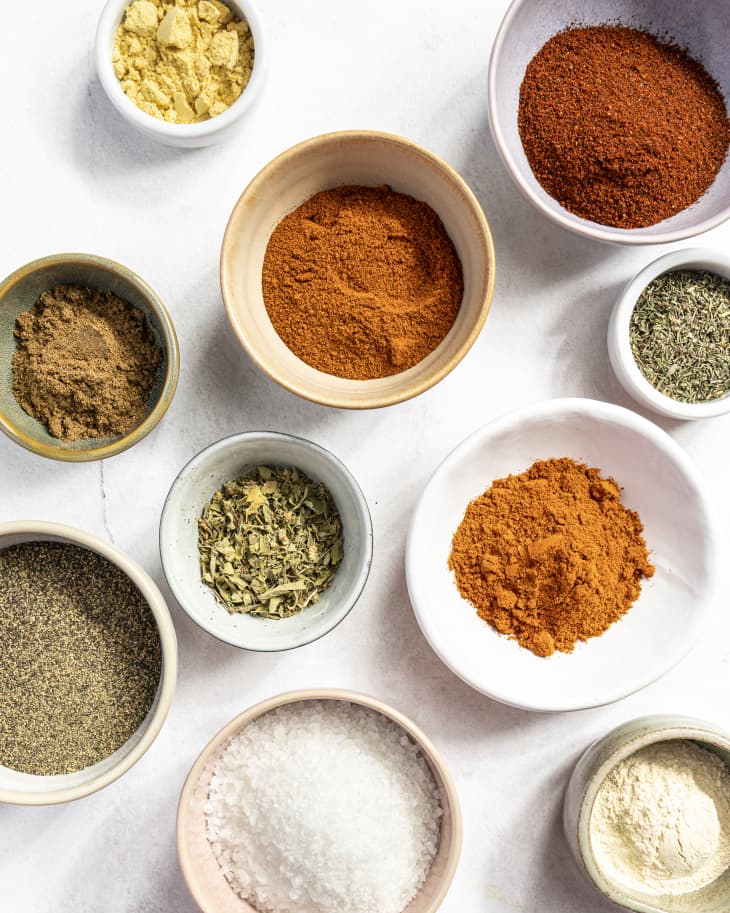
point(19, 293)
point(31, 785)
point(699, 27)
point(657, 481)
point(339, 159)
point(200, 867)
point(191, 491)
point(715, 897)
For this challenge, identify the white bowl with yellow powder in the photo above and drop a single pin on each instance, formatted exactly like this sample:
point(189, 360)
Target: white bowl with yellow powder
point(647, 815)
point(183, 72)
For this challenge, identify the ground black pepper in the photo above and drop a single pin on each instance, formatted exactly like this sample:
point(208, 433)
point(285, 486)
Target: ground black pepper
point(620, 127)
point(81, 658)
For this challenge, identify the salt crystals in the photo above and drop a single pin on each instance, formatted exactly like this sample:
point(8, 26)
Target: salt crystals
point(321, 807)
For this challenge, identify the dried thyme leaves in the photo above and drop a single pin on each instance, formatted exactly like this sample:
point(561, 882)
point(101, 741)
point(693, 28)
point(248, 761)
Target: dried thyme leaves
point(680, 335)
point(81, 658)
point(270, 542)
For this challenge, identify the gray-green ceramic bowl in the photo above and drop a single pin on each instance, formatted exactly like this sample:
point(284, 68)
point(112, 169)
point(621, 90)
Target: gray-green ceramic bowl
point(20, 291)
point(588, 776)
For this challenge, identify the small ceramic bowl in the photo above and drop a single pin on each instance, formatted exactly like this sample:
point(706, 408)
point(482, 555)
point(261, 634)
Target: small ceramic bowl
point(588, 777)
point(200, 869)
point(619, 345)
point(700, 27)
point(28, 789)
point(335, 159)
point(20, 291)
point(194, 487)
point(664, 622)
point(207, 133)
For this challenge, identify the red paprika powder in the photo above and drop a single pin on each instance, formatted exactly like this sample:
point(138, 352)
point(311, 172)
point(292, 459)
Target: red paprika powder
point(620, 127)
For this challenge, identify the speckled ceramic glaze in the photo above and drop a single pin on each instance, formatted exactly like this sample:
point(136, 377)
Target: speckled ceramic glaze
point(588, 777)
point(28, 789)
point(194, 487)
point(20, 291)
point(199, 866)
point(700, 26)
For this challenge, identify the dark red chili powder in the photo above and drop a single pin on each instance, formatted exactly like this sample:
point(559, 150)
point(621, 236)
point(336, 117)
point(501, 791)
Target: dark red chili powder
point(620, 127)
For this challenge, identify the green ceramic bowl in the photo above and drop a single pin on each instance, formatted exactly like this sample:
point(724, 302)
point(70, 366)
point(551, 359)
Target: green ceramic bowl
point(21, 290)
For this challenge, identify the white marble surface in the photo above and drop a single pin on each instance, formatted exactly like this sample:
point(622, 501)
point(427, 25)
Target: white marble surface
point(74, 177)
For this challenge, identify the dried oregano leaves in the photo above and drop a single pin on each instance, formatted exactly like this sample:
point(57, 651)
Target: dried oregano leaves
point(270, 542)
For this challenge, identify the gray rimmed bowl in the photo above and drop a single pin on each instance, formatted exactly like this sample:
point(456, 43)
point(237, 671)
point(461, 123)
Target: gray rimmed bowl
point(20, 291)
point(587, 778)
point(201, 478)
point(702, 27)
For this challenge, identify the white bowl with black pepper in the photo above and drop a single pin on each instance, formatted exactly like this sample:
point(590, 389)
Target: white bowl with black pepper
point(22, 788)
point(230, 459)
point(623, 361)
point(208, 132)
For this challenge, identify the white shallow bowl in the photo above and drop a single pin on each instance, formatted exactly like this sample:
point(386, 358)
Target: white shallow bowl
point(658, 480)
point(590, 772)
point(201, 478)
point(701, 27)
point(207, 133)
point(28, 789)
point(619, 345)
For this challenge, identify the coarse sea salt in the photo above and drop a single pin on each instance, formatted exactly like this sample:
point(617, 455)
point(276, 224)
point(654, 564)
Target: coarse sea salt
point(324, 807)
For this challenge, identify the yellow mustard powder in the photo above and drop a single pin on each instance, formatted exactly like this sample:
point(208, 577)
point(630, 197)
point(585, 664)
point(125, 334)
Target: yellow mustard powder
point(183, 61)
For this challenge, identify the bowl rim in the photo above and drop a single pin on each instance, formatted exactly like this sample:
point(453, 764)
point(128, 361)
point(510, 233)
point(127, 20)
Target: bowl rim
point(546, 409)
point(269, 367)
point(450, 797)
point(46, 531)
point(166, 524)
point(622, 359)
point(171, 351)
point(561, 216)
point(109, 21)
point(624, 740)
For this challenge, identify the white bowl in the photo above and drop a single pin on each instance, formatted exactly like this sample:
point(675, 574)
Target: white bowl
point(701, 27)
point(206, 133)
point(28, 789)
point(191, 491)
point(589, 774)
point(658, 480)
point(619, 346)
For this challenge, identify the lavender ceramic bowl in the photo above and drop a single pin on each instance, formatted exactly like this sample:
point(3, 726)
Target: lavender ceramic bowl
point(702, 27)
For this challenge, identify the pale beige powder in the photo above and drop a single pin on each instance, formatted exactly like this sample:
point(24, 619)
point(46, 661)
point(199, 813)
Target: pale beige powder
point(183, 61)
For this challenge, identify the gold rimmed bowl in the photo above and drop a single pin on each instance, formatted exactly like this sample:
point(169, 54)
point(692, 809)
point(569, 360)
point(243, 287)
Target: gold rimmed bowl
point(20, 291)
point(367, 158)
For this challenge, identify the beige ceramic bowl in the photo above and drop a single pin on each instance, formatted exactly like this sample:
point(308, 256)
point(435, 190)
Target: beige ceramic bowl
point(200, 869)
point(28, 789)
point(20, 291)
point(589, 774)
point(335, 159)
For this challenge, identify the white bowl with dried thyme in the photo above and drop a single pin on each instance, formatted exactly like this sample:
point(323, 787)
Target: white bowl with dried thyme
point(669, 335)
point(266, 540)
